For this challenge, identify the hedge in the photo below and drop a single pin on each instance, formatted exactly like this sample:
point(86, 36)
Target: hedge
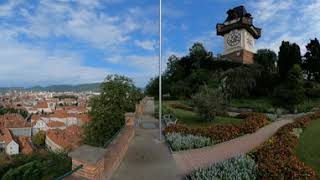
point(276, 158)
point(179, 142)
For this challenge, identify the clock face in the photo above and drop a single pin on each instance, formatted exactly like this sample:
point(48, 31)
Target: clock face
point(233, 38)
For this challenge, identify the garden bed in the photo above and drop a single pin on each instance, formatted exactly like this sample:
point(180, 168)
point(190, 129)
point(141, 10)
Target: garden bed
point(276, 158)
point(216, 133)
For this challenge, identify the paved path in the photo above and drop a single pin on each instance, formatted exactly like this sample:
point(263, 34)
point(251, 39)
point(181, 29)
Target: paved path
point(147, 158)
point(204, 157)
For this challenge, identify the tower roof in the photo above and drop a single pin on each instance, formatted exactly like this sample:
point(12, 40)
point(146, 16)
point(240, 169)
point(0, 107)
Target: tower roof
point(237, 12)
point(238, 18)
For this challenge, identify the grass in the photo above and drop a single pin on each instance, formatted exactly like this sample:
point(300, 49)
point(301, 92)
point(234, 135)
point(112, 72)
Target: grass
point(308, 149)
point(192, 119)
point(258, 104)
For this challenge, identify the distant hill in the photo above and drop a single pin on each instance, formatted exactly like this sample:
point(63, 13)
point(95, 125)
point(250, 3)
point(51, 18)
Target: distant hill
point(58, 88)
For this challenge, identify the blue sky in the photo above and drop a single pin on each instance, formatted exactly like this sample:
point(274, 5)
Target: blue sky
point(47, 42)
point(189, 21)
point(77, 41)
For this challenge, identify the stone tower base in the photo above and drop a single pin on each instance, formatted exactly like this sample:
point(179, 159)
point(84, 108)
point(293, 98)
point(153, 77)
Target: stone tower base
point(242, 56)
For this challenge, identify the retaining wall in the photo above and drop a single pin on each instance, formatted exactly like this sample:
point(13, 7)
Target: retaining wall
point(101, 163)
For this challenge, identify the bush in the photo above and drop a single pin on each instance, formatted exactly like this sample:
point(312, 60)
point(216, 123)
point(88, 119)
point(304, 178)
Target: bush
point(241, 167)
point(39, 139)
point(46, 165)
point(276, 158)
point(180, 142)
point(209, 103)
point(225, 132)
point(291, 93)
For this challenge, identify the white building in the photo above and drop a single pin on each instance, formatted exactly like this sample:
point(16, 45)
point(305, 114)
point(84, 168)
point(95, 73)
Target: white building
point(7, 143)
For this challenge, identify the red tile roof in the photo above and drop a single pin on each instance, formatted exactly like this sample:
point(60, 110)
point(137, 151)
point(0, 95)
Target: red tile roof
point(25, 145)
point(85, 118)
point(68, 138)
point(59, 114)
point(5, 135)
point(42, 105)
point(13, 121)
point(55, 124)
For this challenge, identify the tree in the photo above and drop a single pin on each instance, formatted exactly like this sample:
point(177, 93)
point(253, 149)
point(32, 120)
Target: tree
point(209, 103)
point(265, 83)
point(311, 64)
point(39, 139)
point(118, 95)
point(291, 92)
point(289, 55)
point(241, 80)
point(267, 59)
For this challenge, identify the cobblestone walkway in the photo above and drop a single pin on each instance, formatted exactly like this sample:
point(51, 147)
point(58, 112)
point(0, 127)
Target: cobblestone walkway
point(147, 158)
point(204, 157)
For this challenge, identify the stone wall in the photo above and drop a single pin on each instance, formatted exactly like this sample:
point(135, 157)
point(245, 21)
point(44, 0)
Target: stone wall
point(100, 163)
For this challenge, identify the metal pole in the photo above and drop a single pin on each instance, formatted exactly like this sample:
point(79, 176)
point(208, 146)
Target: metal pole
point(160, 68)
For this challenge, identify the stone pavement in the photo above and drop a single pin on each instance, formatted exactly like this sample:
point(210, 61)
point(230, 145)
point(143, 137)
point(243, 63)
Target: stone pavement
point(147, 158)
point(204, 157)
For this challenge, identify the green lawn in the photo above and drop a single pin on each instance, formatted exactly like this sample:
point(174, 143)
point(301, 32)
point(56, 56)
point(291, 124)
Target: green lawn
point(308, 149)
point(192, 119)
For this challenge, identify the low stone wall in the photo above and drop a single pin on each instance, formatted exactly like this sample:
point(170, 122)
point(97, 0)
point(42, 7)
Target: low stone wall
point(100, 163)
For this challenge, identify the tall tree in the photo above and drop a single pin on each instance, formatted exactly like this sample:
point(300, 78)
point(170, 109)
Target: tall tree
point(289, 54)
point(311, 64)
point(118, 95)
point(266, 58)
point(291, 92)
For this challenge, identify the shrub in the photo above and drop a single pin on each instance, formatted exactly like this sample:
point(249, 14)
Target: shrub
point(276, 158)
point(290, 93)
point(241, 167)
point(209, 103)
point(222, 132)
point(179, 142)
point(39, 139)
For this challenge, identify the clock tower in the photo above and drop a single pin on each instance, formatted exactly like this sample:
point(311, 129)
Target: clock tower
point(239, 35)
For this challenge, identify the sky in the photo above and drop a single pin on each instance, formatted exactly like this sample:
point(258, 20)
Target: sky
point(45, 42)
point(49, 42)
point(189, 21)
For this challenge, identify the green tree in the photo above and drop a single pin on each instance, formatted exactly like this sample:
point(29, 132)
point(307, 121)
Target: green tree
point(209, 103)
point(289, 55)
point(267, 59)
point(241, 80)
point(39, 139)
point(311, 64)
point(290, 93)
point(118, 95)
point(265, 83)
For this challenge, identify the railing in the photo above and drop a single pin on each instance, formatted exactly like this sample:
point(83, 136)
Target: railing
point(69, 173)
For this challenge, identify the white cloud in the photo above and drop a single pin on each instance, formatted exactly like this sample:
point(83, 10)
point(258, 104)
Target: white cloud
point(7, 9)
point(266, 10)
point(25, 65)
point(147, 45)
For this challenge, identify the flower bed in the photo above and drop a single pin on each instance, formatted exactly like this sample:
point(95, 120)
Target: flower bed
point(223, 132)
point(241, 167)
point(276, 158)
point(179, 142)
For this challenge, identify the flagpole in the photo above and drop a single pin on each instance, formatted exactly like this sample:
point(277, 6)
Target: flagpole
point(160, 70)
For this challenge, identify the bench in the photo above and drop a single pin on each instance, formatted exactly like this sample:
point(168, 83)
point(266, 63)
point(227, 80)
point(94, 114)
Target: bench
point(170, 119)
